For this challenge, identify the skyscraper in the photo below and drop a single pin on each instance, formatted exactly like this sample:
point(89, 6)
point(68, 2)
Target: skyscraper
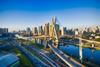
point(46, 29)
point(28, 31)
point(40, 30)
point(57, 28)
point(3, 30)
point(63, 31)
point(35, 31)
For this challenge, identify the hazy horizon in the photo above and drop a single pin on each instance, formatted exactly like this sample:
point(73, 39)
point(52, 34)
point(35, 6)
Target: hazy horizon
point(19, 14)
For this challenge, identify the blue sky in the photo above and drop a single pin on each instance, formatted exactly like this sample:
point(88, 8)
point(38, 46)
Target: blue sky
point(19, 14)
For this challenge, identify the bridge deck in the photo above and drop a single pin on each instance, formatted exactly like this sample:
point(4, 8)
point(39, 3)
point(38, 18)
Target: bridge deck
point(69, 61)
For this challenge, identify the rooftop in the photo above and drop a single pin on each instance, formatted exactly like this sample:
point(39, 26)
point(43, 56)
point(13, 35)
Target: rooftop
point(8, 59)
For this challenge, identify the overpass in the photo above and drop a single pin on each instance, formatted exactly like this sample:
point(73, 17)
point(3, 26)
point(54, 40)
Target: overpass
point(29, 55)
point(55, 37)
point(91, 41)
point(49, 60)
point(68, 60)
point(72, 36)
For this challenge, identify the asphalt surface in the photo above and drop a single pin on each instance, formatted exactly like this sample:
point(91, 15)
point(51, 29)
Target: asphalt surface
point(68, 60)
point(32, 58)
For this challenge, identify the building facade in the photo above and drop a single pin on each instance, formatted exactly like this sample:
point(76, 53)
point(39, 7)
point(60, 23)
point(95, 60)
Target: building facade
point(63, 31)
point(3, 30)
point(46, 29)
point(40, 30)
point(35, 31)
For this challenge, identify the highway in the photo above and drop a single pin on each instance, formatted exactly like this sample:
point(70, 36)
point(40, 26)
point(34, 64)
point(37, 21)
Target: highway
point(32, 58)
point(49, 60)
point(55, 63)
point(91, 41)
point(68, 60)
point(62, 65)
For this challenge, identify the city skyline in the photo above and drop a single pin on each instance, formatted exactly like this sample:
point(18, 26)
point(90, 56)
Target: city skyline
point(49, 33)
point(21, 14)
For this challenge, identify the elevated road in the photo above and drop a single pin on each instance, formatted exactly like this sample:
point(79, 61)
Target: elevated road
point(32, 58)
point(50, 61)
point(91, 41)
point(72, 36)
point(53, 62)
point(68, 60)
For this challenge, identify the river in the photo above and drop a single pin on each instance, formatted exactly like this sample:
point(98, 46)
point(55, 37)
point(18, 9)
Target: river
point(91, 55)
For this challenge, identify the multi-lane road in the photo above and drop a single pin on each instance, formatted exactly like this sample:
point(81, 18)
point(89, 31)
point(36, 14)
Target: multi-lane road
point(34, 60)
point(68, 60)
point(91, 41)
point(49, 60)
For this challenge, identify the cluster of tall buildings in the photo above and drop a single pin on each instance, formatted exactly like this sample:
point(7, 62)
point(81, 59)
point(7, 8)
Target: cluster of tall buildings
point(65, 31)
point(3, 30)
point(41, 30)
point(79, 31)
point(47, 29)
point(26, 32)
point(94, 29)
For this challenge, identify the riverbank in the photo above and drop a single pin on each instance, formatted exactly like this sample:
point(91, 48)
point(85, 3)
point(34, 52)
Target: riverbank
point(90, 56)
point(88, 45)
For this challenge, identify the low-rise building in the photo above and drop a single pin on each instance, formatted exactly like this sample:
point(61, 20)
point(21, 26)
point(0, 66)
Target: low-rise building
point(9, 60)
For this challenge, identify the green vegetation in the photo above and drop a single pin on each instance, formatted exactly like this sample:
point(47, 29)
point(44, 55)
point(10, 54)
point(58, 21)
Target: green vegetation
point(35, 53)
point(38, 46)
point(2, 42)
point(31, 42)
point(97, 34)
point(22, 41)
point(97, 39)
point(68, 38)
point(15, 64)
point(24, 61)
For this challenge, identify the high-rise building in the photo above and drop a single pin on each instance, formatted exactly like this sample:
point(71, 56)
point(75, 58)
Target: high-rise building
point(76, 32)
point(40, 30)
point(89, 29)
point(28, 31)
point(3, 30)
point(97, 29)
point(35, 31)
point(63, 31)
point(70, 32)
point(46, 29)
point(57, 28)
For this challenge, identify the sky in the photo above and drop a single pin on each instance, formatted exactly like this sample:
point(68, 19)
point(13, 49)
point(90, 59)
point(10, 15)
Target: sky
point(20, 14)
